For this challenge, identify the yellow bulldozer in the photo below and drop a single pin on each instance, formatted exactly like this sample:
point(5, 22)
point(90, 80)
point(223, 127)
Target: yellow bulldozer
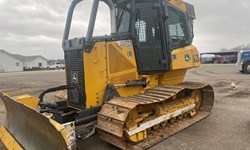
point(128, 87)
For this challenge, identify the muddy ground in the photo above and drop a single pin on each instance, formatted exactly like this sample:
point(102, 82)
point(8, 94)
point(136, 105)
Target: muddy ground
point(227, 128)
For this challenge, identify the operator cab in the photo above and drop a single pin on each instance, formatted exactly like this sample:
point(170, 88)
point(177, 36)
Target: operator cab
point(154, 26)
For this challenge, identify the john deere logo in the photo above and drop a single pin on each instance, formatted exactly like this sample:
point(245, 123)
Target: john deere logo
point(74, 78)
point(187, 57)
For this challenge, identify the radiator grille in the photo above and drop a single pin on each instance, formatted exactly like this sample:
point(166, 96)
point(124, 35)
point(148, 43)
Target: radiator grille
point(75, 78)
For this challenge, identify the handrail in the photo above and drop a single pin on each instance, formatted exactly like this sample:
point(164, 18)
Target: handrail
point(69, 19)
point(91, 22)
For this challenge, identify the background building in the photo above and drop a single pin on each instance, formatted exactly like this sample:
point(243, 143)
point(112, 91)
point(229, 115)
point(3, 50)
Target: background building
point(15, 62)
point(33, 62)
point(219, 57)
point(9, 63)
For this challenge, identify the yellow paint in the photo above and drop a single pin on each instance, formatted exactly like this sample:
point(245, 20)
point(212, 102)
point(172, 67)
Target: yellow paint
point(109, 63)
point(66, 130)
point(196, 95)
point(140, 114)
point(125, 72)
point(27, 100)
point(122, 66)
point(180, 62)
point(178, 3)
point(173, 77)
point(95, 73)
point(180, 65)
point(129, 91)
point(58, 126)
point(192, 113)
point(138, 137)
point(120, 57)
point(8, 141)
point(152, 80)
point(114, 63)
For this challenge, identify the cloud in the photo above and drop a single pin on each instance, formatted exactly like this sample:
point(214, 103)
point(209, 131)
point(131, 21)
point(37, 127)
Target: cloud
point(221, 23)
point(32, 27)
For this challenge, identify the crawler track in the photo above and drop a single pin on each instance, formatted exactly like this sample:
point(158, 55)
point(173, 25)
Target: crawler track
point(114, 114)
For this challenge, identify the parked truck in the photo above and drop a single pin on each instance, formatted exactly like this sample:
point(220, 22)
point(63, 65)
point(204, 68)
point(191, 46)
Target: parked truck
point(56, 66)
point(243, 62)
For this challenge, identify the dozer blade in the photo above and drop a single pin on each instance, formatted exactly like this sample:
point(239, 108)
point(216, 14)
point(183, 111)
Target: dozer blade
point(116, 114)
point(32, 130)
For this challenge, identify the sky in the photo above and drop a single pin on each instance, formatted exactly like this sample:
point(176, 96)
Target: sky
point(35, 27)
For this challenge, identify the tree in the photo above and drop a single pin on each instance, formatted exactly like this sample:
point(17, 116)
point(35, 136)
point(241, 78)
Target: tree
point(223, 49)
point(238, 47)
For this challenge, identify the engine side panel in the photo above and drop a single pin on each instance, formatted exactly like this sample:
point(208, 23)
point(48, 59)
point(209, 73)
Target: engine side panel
point(95, 68)
point(114, 63)
point(122, 66)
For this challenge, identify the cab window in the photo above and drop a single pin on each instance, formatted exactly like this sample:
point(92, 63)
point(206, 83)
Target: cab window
point(179, 29)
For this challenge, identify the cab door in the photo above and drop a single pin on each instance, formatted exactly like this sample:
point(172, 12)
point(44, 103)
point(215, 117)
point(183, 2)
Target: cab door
point(152, 54)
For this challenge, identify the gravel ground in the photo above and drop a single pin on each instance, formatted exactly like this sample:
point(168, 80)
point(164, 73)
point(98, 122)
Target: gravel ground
point(227, 128)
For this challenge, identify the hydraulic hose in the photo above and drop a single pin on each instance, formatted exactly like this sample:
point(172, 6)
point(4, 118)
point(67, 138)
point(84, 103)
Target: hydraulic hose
point(54, 89)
